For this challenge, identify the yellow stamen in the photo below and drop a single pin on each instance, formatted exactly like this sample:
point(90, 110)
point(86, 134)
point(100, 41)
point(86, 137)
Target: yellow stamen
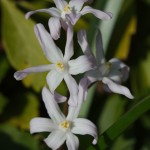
point(109, 64)
point(60, 65)
point(67, 8)
point(65, 124)
point(105, 68)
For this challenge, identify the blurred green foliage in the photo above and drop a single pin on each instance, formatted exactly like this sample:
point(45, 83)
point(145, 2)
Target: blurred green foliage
point(123, 124)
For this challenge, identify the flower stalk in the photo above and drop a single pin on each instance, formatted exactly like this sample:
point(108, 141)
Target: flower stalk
point(63, 127)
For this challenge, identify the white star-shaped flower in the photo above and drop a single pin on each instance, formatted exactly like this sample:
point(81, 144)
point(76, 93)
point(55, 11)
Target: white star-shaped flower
point(111, 73)
point(62, 128)
point(71, 12)
point(62, 67)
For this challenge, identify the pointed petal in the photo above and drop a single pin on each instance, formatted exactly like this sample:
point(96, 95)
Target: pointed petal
point(116, 88)
point(77, 4)
point(84, 126)
point(64, 24)
point(82, 40)
point(99, 14)
point(42, 125)
point(69, 44)
point(19, 75)
point(60, 4)
point(73, 112)
point(73, 89)
point(59, 98)
point(73, 17)
point(54, 78)
point(119, 71)
point(51, 51)
point(79, 65)
point(52, 11)
point(54, 26)
point(99, 48)
point(94, 75)
point(52, 107)
point(55, 139)
point(83, 87)
point(72, 141)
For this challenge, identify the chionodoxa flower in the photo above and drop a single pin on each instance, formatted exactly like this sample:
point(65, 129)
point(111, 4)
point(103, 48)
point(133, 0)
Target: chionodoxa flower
point(111, 73)
point(62, 67)
point(71, 12)
point(62, 128)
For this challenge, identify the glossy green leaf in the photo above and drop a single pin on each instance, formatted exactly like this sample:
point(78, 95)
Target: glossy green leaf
point(20, 43)
point(123, 123)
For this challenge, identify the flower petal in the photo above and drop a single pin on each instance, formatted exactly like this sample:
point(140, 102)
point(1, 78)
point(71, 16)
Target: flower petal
point(73, 17)
point(54, 78)
point(99, 48)
point(72, 141)
point(73, 112)
point(55, 139)
point(64, 24)
point(69, 44)
point(119, 71)
point(52, 107)
point(52, 52)
point(79, 65)
point(94, 75)
point(73, 89)
point(99, 14)
point(60, 4)
point(42, 125)
point(116, 88)
point(83, 87)
point(52, 11)
point(54, 26)
point(77, 4)
point(82, 40)
point(19, 75)
point(84, 126)
point(59, 98)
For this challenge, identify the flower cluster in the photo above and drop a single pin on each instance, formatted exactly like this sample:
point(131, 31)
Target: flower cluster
point(95, 68)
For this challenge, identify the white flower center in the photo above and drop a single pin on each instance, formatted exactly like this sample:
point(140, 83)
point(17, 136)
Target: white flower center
point(65, 125)
point(105, 68)
point(60, 66)
point(67, 10)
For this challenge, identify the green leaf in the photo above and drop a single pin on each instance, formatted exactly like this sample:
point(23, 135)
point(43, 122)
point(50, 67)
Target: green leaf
point(107, 27)
point(125, 27)
point(20, 43)
point(123, 123)
point(123, 144)
point(86, 105)
point(112, 110)
point(22, 109)
point(15, 139)
point(140, 51)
